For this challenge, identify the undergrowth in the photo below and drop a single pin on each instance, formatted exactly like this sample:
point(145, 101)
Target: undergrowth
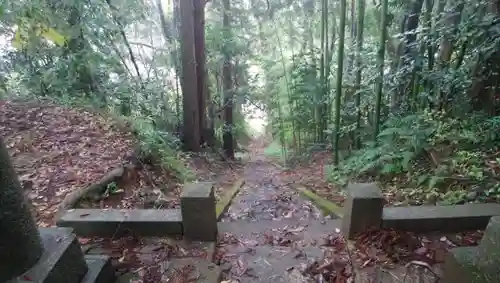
point(160, 146)
point(431, 158)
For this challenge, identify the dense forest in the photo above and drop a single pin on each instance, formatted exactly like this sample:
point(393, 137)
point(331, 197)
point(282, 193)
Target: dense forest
point(405, 92)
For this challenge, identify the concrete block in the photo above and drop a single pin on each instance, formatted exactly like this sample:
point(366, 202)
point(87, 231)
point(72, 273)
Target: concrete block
point(362, 209)
point(100, 269)
point(489, 246)
point(199, 217)
point(62, 260)
point(466, 265)
point(120, 222)
point(450, 218)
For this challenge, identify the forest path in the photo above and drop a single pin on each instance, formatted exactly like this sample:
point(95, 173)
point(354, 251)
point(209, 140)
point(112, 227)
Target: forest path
point(270, 233)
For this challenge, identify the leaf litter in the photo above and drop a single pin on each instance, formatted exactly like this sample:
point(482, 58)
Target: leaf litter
point(56, 150)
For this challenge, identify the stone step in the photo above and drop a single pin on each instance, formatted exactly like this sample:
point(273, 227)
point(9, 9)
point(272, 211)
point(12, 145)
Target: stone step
point(61, 262)
point(450, 218)
point(467, 265)
point(120, 222)
point(100, 269)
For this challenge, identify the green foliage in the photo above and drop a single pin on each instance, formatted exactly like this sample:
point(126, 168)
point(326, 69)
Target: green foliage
point(437, 156)
point(160, 146)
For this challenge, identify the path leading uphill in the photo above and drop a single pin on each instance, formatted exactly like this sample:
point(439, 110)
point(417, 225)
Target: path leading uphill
point(271, 234)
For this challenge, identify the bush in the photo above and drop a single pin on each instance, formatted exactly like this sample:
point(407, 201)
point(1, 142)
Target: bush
point(160, 147)
point(439, 158)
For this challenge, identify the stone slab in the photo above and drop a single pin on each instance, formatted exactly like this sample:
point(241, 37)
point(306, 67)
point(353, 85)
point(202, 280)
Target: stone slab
point(453, 218)
point(363, 209)
point(121, 222)
point(465, 265)
point(61, 262)
point(199, 213)
point(100, 269)
point(365, 190)
point(198, 190)
point(490, 243)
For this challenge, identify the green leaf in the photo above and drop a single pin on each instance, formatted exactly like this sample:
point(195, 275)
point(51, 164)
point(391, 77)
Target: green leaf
point(434, 181)
point(388, 168)
point(407, 157)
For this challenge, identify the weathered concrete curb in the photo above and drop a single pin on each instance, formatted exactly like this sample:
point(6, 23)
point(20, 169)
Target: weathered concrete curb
point(450, 218)
point(364, 209)
point(225, 201)
point(119, 222)
point(325, 205)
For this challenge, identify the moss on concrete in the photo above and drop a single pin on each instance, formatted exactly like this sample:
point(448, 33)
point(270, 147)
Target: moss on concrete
point(325, 205)
point(225, 200)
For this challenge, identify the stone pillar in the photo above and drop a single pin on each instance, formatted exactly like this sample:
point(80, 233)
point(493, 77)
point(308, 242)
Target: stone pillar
point(490, 243)
point(363, 209)
point(199, 219)
point(20, 243)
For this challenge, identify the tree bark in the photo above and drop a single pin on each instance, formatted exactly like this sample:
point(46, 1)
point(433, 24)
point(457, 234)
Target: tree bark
point(206, 132)
point(454, 10)
point(338, 88)
point(411, 25)
point(380, 63)
point(191, 127)
point(359, 68)
point(227, 137)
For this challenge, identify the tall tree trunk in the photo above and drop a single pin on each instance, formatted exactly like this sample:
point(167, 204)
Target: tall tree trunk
point(380, 63)
point(227, 137)
point(206, 133)
point(320, 95)
point(359, 48)
point(430, 50)
point(409, 51)
point(191, 127)
point(453, 12)
point(331, 51)
point(338, 88)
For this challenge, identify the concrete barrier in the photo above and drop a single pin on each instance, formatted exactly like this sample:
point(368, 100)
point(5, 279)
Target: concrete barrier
point(364, 209)
point(196, 220)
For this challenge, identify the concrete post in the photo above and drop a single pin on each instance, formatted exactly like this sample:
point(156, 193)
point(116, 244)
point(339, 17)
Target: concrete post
point(199, 219)
point(363, 209)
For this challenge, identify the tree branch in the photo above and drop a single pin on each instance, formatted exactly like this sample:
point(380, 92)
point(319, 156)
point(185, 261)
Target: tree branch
point(148, 46)
point(124, 36)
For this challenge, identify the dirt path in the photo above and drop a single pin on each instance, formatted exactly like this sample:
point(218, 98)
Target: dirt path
point(269, 232)
point(272, 234)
